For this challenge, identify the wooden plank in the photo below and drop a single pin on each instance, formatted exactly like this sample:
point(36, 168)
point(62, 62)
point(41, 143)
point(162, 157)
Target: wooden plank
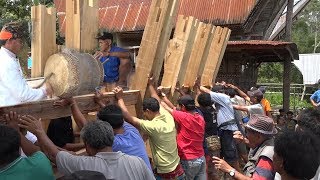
point(217, 49)
point(45, 109)
point(178, 52)
point(154, 42)
point(43, 42)
point(81, 25)
point(197, 52)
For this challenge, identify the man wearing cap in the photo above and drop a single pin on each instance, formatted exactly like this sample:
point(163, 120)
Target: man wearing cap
point(13, 87)
point(115, 62)
point(259, 137)
point(254, 97)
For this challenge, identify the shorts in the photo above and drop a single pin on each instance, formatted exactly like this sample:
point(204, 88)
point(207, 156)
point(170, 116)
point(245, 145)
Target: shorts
point(228, 146)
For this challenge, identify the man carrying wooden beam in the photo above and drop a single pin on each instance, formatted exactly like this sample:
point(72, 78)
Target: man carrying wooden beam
point(115, 60)
point(13, 87)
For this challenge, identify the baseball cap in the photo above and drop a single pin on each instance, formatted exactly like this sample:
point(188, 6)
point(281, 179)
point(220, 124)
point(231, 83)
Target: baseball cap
point(256, 94)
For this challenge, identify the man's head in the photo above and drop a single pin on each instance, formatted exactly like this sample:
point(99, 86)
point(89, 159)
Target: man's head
point(255, 96)
point(289, 114)
point(230, 92)
point(11, 37)
point(97, 135)
point(297, 154)
point(186, 103)
point(150, 108)
point(258, 129)
point(281, 111)
point(105, 41)
point(113, 115)
point(9, 145)
point(218, 89)
point(204, 100)
point(309, 120)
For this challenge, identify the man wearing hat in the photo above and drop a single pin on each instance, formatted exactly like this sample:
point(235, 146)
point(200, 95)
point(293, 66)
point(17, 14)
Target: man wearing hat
point(13, 87)
point(115, 62)
point(259, 137)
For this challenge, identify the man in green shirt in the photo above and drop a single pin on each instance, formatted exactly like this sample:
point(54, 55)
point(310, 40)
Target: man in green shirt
point(13, 166)
point(160, 128)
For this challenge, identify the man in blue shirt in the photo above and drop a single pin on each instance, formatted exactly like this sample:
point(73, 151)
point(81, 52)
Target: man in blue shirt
point(127, 138)
point(115, 61)
point(315, 98)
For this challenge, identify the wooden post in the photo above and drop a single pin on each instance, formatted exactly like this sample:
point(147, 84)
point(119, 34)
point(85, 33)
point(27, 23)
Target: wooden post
point(43, 42)
point(178, 51)
point(81, 24)
point(154, 42)
point(197, 53)
point(287, 61)
point(216, 52)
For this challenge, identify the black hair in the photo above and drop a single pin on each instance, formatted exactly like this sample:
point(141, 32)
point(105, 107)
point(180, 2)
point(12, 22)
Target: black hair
point(300, 153)
point(290, 112)
point(259, 98)
point(111, 114)
point(281, 110)
point(3, 42)
point(231, 92)
point(218, 88)
point(9, 143)
point(204, 99)
point(309, 119)
point(151, 104)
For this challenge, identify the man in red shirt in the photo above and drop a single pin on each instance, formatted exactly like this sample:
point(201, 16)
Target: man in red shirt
point(190, 137)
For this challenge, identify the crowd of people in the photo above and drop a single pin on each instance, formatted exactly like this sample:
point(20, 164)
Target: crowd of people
point(217, 132)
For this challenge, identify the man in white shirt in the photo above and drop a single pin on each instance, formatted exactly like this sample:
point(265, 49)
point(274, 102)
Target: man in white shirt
point(13, 87)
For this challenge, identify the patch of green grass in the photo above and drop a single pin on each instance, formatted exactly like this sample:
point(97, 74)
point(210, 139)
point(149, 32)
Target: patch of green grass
point(295, 102)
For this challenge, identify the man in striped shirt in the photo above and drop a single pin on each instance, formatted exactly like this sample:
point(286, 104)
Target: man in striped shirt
point(259, 137)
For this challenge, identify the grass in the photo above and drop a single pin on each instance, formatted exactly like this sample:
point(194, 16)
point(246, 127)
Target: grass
point(295, 101)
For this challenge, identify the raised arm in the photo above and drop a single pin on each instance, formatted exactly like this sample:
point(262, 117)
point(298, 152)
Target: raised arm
point(241, 108)
point(240, 92)
point(76, 113)
point(35, 126)
point(127, 116)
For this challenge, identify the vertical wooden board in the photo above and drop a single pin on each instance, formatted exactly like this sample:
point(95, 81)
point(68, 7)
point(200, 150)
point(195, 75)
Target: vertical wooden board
point(70, 8)
point(164, 38)
point(218, 45)
point(179, 51)
point(43, 43)
point(206, 51)
point(152, 46)
point(224, 42)
point(197, 51)
point(89, 25)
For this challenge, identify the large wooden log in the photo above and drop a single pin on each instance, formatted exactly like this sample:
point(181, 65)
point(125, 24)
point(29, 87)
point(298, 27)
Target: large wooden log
point(45, 109)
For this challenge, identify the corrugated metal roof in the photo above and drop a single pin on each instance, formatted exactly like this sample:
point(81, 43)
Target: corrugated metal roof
point(264, 45)
point(131, 15)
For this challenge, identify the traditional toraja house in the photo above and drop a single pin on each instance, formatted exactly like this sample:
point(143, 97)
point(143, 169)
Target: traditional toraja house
point(249, 20)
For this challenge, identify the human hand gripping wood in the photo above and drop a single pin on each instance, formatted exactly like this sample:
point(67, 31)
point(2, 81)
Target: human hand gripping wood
point(64, 102)
point(118, 91)
point(32, 124)
point(12, 120)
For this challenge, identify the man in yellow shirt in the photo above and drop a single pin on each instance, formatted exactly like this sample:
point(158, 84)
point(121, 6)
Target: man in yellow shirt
point(160, 128)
